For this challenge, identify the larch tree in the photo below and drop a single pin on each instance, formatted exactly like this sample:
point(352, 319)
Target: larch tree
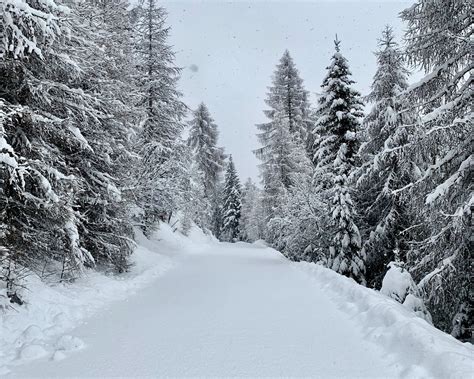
point(386, 166)
point(41, 78)
point(159, 142)
point(232, 204)
point(338, 122)
point(438, 41)
point(67, 206)
point(288, 129)
point(209, 158)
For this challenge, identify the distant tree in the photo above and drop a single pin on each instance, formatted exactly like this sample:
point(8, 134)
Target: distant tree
point(202, 139)
point(232, 204)
point(339, 113)
point(209, 158)
point(251, 217)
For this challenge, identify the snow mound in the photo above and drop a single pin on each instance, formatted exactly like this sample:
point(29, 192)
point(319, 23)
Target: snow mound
point(69, 343)
point(38, 328)
point(260, 243)
point(426, 350)
point(31, 352)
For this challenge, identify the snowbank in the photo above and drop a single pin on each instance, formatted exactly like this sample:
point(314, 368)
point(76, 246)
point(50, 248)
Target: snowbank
point(40, 327)
point(427, 351)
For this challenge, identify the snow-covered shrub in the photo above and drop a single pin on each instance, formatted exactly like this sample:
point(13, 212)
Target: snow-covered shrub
point(400, 286)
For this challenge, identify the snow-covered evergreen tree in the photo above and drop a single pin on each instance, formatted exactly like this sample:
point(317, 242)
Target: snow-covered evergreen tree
point(194, 207)
point(282, 156)
point(251, 220)
point(288, 96)
point(283, 138)
point(27, 27)
point(68, 137)
point(386, 167)
point(209, 157)
point(232, 204)
point(42, 223)
point(159, 144)
point(439, 42)
point(400, 286)
point(202, 139)
point(300, 231)
point(339, 113)
point(106, 63)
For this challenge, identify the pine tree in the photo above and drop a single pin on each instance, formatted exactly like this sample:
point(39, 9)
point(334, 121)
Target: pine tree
point(232, 204)
point(339, 113)
point(438, 41)
point(159, 144)
point(386, 166)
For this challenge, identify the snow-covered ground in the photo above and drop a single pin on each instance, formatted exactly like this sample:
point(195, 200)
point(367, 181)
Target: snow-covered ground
point(222, 310)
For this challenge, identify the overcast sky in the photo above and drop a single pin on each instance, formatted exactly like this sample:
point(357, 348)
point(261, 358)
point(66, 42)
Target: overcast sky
point(229, 51)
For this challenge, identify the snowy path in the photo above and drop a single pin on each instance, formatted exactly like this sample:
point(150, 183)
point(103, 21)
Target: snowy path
point(230, 310)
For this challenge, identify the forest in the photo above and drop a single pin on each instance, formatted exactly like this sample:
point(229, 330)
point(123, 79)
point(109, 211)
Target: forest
point(97, 142)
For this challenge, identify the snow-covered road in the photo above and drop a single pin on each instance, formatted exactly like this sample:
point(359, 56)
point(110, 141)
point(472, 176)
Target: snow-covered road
point(228, 310)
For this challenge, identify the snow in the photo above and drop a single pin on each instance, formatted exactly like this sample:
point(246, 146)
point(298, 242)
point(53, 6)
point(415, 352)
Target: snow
point(79, 137)
point(42, 327)
point(422, 350)
point(222, 310)
point(396, 283)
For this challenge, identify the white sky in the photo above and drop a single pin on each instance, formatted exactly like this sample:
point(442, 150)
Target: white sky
point(229, 51)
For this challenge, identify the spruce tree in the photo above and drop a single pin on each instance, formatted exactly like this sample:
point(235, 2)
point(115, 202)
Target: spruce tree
point(438, 42)
point(232, 204)
point(386, 166)
point(339, 113)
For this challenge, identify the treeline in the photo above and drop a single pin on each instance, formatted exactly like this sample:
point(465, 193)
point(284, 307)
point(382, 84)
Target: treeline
point(91, 143)
point(91, 146)
point(362, 193)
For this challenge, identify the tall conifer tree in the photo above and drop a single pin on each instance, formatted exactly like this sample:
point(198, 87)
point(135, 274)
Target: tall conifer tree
point(386, 166)
point(339, 113)
point(232, 204)
point(439, 41)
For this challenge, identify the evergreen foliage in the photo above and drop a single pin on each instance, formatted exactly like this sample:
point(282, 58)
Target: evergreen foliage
point(232, 204)
point(158, 145)
point(338, 123)
point(386, 166)
point(283, 137)
point(438, 41)
point(202, 141)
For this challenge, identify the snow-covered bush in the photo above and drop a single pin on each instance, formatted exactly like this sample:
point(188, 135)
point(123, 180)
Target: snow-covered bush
point(400, 286)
